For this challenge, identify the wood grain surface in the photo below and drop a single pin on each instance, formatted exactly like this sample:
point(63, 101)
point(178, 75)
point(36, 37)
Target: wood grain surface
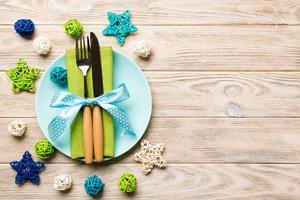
point(178, 181)
point(198, 140)
point(225, 81)
point(198, 94)
point(196, 48)
point(149, 12)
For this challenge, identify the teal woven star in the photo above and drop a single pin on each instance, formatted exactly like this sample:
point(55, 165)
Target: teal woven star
point(119, 26)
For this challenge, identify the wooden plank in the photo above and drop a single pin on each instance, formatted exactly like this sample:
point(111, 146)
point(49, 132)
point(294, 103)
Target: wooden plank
point(190, 140)
point(219, 94)
point(210, 182)
point(185, 48)
point(198, 94)
point(155, 11)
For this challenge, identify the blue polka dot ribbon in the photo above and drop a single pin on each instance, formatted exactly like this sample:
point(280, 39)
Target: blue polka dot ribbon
point(71, 104)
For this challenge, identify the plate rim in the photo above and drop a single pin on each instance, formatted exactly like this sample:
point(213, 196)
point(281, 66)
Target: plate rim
point(148, 117)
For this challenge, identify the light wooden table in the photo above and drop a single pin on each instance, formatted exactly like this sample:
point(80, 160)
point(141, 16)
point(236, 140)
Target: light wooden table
point(225, 80)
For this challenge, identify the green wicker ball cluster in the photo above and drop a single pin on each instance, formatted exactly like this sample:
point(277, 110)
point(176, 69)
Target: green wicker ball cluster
point(44, 149)
point(73, 28)
point(127, 183)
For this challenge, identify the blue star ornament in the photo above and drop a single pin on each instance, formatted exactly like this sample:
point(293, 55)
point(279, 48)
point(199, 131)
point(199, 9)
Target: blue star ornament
point(119, 26)
point(27, 169)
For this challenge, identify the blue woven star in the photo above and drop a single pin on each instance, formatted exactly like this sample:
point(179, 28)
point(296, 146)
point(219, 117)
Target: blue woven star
point(119, 26)
point(27, 169)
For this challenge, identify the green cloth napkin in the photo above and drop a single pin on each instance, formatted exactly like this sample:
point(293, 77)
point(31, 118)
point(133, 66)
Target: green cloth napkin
point(76, 86)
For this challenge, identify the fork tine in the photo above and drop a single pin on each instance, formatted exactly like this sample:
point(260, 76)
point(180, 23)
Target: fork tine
point(81, 53)
point(88, 43)
point(77, 51)
point(84, 48)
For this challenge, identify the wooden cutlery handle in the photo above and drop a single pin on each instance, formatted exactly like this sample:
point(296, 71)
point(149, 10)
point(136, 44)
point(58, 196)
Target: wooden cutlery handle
point(98, 133)
point(87, 135)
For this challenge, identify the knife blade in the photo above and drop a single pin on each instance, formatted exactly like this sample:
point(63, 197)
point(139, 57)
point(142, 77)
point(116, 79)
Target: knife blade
point(98, 90)
point(96, 65)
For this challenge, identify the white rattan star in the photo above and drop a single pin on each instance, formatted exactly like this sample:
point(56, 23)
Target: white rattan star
point(150, 155)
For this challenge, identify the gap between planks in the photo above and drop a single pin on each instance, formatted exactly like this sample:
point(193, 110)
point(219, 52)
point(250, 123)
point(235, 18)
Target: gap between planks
point(183, 117)
point(162, 25)
point(200, 71)
point(168, 163)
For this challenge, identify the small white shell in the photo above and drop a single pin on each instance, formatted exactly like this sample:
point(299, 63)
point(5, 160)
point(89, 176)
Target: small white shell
point(62, 182)
point(41, 45)
point(142, 49)
point(16, 128)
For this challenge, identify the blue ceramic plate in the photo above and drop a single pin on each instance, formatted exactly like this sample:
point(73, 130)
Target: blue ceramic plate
point(138, 106)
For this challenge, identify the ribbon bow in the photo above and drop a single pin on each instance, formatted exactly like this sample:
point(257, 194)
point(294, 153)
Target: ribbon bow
point(71, 105)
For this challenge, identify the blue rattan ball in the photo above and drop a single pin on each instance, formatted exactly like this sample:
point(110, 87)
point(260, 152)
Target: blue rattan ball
point(24, 27)
point(58, 75)
point(93, 186)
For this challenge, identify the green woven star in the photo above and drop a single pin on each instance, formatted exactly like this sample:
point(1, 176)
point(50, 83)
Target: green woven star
point(22, 76)
point(119, 26)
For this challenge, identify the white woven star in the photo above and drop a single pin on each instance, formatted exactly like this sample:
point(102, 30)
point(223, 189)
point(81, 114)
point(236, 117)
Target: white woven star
point(150, 155)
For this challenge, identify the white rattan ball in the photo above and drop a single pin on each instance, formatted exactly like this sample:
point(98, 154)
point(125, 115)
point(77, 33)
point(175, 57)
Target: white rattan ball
point(16, 128)
point(142, 49)
point(62, 182)
point(41, 45)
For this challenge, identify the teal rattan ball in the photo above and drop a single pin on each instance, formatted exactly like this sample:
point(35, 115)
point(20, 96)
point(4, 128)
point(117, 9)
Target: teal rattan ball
point(93, 186)
point(58, 75)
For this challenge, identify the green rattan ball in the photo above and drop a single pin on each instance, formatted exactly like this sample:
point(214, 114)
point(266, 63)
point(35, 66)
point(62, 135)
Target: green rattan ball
point(44, 149)
point(127, 183)
point(73, 28)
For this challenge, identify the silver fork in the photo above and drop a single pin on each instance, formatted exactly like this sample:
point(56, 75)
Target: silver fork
point(83, 59)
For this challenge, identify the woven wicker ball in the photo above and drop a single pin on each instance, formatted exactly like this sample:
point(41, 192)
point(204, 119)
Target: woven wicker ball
point(142, 49)
point(93, 186)
point(41, 45)
point(127, 183)
point(73, 28)
point(16, 128)
point(44, 149)
point(58, 75)
point(62, 182)
point(24, 27)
